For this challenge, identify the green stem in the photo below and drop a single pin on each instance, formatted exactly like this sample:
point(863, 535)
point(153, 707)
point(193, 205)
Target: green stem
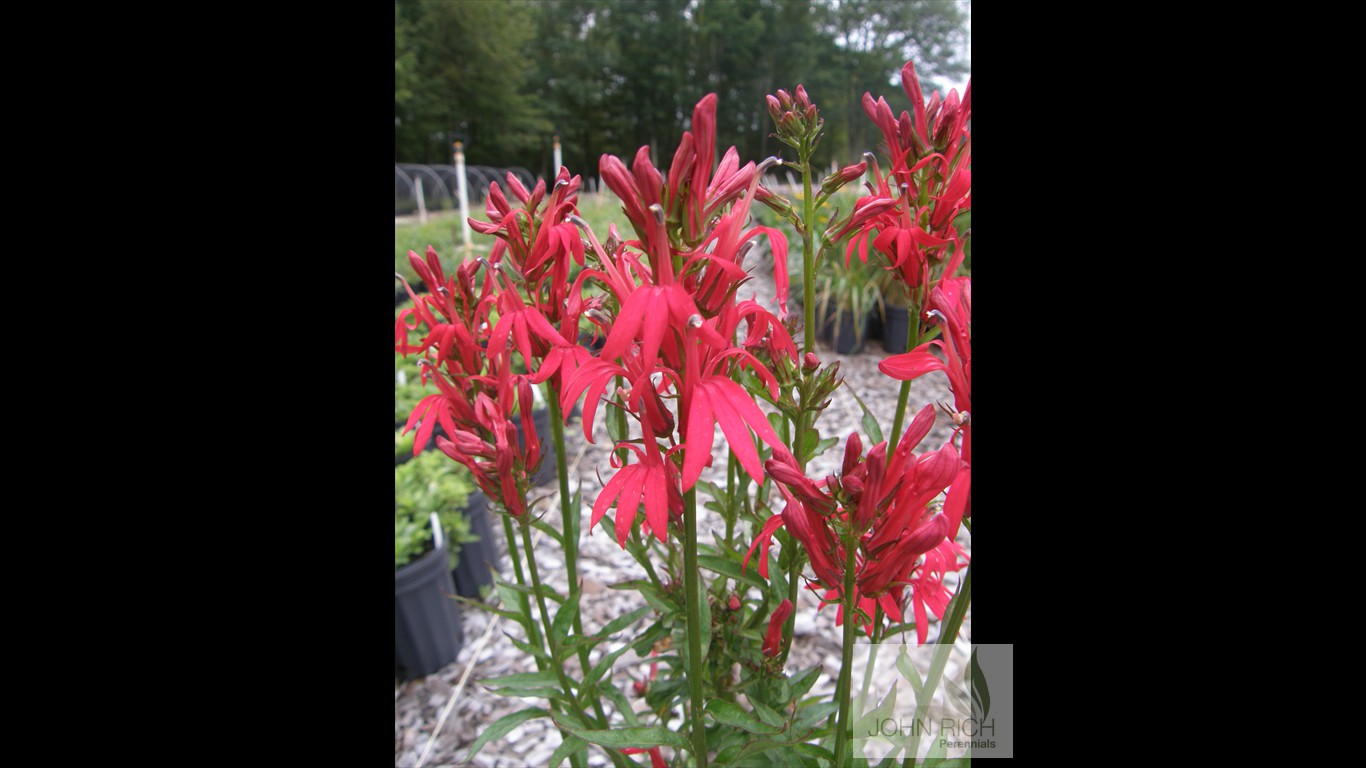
point(948, 633)
point(545, 618)
point(912, 336)
point(872, 657)
point(843, 725)
point(617, 417)
point(533, 632)
point(693, 596)
point(808, 261)
point(570, 523)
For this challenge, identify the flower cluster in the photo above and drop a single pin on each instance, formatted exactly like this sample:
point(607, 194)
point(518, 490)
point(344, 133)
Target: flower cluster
point(883, 505)
point(473, 328)
point(672, 334)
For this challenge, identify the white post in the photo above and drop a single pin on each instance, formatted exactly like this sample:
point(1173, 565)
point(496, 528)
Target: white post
point(421, 203)
point(555, 172)
point(463, 193)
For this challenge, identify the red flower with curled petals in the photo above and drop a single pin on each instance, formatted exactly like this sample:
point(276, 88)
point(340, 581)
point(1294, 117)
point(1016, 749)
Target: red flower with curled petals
point(653, 479)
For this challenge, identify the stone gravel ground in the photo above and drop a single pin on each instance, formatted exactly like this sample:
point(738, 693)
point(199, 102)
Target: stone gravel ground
point(453, 704)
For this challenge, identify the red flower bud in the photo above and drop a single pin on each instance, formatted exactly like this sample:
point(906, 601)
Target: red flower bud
point(802, 101)
point(773, 641)
point(811, 362)
point(775, 110)
point(734, 603)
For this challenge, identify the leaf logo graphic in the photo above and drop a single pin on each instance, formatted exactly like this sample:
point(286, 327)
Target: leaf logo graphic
point(981, 697)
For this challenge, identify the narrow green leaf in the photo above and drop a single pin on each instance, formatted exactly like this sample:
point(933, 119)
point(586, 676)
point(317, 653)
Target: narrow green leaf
point(815, 713)
point(548, 530)
point(732, 714)
point(528, 648)
point(869, 422)
point(502, 726)
point(545, 591)
point(524, 680)
point(908, 671)
point(604, 665)
point(732, 569)
point(622, 622)
point(564, 618)
point(648, 638)
point(705, 619)
point(767, 714)
point(623, 706)
point(802, 682)
point(571, 745)
point(824, 446)
point(814, 751)
point(621, 738)
point(755, 747)
point(617, 429)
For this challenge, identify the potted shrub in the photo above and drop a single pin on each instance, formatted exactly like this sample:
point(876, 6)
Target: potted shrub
point(845, 296)
point(896, 316)
point(427, 629)
point(432, 483)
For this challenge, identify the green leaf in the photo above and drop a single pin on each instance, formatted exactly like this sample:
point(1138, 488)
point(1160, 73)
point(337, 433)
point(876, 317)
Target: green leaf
point(754, 747)
point(729, 713)
point(802, 682)
point(767, 714)
point(576, 514)
point(522, 680)
point(617, 429)
point(869, 422)
point(815, 713)
point(528, 648)
point(621, 738)
point(732, 569)
point(623, 706)
point(545, 591)
point(823, 446)
point(604, 665)
point(648, 638)
point(564, 618)
point(908, 671)
point(705, 620)
point(502, 726)
point(548, 530)
point(622, 622)
point(571, 745)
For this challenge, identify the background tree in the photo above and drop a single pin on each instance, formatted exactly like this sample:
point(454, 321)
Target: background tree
point(609, 76)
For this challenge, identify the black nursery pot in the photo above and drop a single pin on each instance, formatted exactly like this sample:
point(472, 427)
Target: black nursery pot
point(846, 341)
point(427, 630)
point(894, 332)
point(479, 559)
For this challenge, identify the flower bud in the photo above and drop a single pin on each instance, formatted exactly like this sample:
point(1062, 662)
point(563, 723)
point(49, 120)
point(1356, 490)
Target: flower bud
point(848, 173)
point(640, 687)
point(810, 362)
point(784, 100)
point(775, 110)
point(734, 603)
point(773, 641)
point(802, 101)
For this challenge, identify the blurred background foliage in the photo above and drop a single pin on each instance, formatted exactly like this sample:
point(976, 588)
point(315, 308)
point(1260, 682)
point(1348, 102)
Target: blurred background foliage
point(609, 76)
